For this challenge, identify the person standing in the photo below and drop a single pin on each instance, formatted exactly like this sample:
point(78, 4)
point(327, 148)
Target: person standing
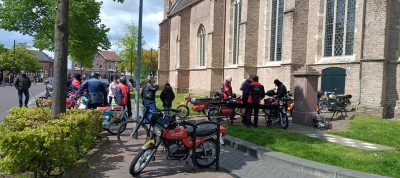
point(245, 88)
point(227, 88)
point(111, 91)
point(167, 96)
point(97, 93)
point(254, 97)
point(22, 84)
point(149, 96)
point(125, 99)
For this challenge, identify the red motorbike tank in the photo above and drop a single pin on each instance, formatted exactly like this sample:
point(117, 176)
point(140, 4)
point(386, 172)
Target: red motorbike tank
point(174, 134)
point(198, 107)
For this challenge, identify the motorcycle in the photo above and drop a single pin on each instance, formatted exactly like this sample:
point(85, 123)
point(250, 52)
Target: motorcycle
point(199, 105)
point(177, 138)
point(329, 101)
point(277, 109)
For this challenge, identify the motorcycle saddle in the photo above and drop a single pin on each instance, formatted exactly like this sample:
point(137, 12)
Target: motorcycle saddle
point(202, 132)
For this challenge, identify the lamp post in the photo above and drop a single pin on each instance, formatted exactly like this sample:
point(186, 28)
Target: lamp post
point(151, 60)
point(139, 55)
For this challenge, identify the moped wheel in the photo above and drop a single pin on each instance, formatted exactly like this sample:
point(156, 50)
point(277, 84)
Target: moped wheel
point(126, 134)
point(141, 160)
point(283, 120)
point(184, 111)
point(214, 115)
point(206, 154)
point(323, 105)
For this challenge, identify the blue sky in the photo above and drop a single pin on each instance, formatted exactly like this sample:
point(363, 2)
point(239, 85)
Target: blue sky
point(115, 16)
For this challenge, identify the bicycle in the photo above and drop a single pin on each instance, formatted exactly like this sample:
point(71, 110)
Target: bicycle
point(126, 138)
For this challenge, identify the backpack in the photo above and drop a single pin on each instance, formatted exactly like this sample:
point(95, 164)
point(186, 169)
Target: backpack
point(120, 98)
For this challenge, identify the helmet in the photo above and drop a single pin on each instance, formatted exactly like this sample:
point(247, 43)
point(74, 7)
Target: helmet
point(123, 80)
point(94, 75)
point(270, 93)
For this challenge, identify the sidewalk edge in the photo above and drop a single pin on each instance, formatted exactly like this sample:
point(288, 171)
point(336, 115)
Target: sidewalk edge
point(295, 163)
point(83, 164)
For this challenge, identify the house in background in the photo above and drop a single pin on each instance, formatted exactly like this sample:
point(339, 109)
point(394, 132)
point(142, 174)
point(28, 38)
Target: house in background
point(104, 62)
point(354, 44)
point(47, 64)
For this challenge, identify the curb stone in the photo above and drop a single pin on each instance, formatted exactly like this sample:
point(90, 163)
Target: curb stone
point(295, 163)
point(83, 164)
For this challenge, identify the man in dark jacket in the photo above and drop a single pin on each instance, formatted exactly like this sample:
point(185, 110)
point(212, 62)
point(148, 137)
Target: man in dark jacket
point(281, 91)
point(255, 95)
point(22, 83)
point(245, 87)
point(167, 96)
point(149, 96)
point(97, 93)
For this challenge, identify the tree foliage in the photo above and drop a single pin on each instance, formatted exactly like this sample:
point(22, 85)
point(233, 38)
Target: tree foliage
point(36, 18)
point(2, 49)
point(150, 60)
point(128, 45)
point(23, 59)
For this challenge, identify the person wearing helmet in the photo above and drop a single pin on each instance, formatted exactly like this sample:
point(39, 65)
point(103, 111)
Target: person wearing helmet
point(122, 96)
point(96, 91)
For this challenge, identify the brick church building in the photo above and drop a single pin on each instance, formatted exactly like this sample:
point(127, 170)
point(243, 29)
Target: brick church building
point(354, 44)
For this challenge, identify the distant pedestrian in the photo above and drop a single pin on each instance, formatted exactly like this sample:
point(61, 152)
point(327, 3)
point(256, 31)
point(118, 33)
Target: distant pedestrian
point(22, 83)
point(1, 77)
point(167, 96)
point(255, 95)
point(149, 96)
point(245, 88)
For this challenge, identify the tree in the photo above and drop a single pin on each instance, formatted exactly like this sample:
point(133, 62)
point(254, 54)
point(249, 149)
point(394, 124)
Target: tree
point(150, 60)
point(2, 49)
point(128, 44)
point(37, 18)
point(23, 59)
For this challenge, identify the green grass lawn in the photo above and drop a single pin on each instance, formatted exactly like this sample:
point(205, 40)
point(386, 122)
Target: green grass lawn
point(299, 145)
point(179, 98)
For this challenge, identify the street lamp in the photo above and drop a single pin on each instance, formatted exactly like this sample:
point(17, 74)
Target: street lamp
point(139, 55)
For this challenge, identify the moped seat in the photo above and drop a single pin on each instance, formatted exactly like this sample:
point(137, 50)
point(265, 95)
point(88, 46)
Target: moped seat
point(202, 132)
point(104, 109)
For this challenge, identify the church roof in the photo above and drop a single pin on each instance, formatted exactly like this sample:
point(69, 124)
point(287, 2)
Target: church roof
point(180, 5)
point(42, 57)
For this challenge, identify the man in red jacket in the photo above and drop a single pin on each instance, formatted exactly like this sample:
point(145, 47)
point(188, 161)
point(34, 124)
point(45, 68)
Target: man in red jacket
point(255, 95)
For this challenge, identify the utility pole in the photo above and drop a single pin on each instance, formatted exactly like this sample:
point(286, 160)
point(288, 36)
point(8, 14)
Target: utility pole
point(139, 55)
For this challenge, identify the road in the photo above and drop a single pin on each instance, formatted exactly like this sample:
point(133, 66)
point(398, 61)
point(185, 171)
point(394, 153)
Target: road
point(9, 97)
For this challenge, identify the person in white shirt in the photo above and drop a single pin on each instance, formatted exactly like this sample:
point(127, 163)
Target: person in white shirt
point(111, 91)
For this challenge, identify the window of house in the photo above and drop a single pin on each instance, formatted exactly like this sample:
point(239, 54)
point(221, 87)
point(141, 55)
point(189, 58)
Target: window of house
point(100, 66)
point(109, 67)
point(201, 40)
point(339, 27)
point(276, 30)
point(236, 30)
point(76, 65)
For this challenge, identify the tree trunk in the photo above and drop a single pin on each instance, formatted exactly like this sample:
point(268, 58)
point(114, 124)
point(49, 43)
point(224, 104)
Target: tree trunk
point(60, 58)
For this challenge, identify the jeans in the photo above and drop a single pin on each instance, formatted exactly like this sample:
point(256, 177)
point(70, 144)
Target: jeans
point(152, 107)
point(249, 109)
point(166, 112)
point(26, 93)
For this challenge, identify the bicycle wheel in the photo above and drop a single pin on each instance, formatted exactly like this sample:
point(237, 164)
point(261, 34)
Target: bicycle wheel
point(125, 137)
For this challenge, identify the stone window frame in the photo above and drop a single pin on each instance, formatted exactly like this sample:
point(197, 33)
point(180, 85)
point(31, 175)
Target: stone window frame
point(236, 20)
point(347, 51)
point(201, 47)
point(276, 34)
point(100, 66)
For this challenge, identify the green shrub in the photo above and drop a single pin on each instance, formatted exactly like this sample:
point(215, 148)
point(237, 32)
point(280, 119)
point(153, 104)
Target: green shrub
point(31, 141)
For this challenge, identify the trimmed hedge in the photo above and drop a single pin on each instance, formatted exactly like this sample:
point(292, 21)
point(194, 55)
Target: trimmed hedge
point(32, 141)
